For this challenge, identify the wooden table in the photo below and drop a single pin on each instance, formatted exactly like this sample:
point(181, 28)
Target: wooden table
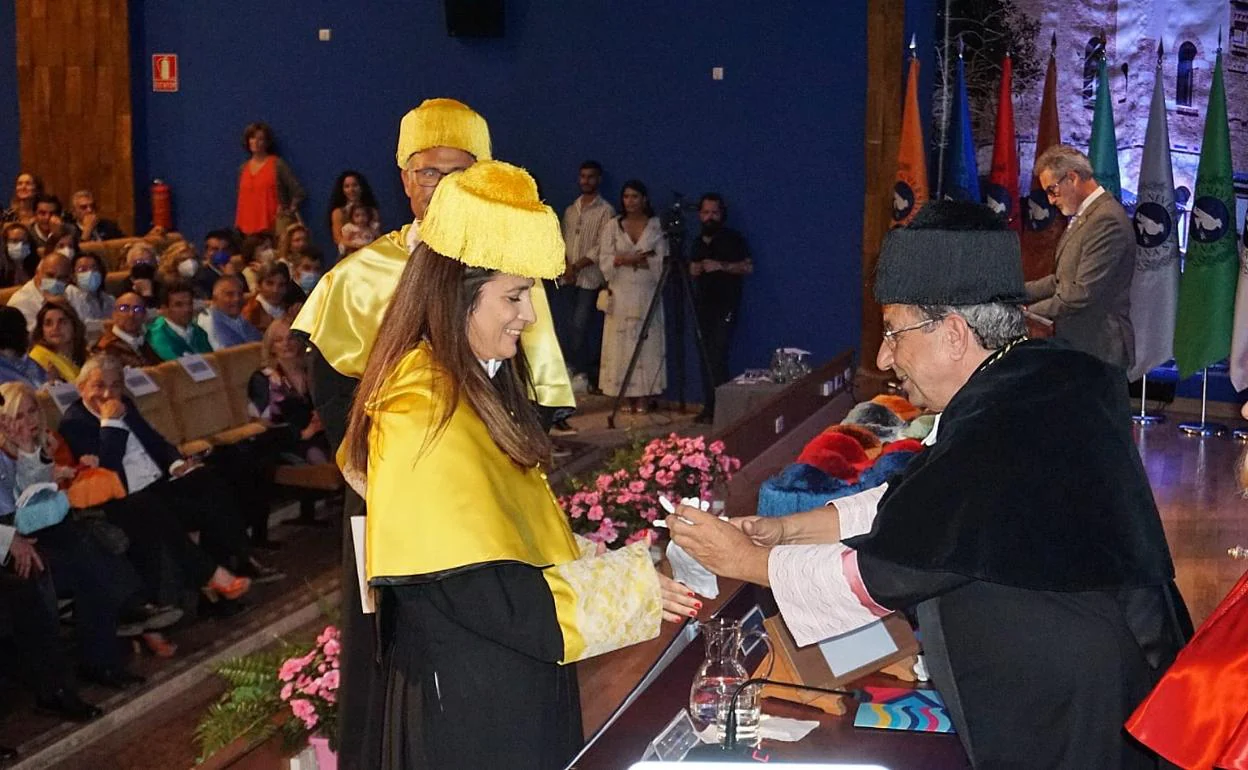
point(836, 739)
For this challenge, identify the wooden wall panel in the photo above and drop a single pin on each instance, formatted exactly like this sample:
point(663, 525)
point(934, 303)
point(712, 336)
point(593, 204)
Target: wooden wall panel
point(73, 78)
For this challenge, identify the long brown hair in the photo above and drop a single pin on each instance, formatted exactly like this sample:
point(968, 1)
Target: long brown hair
point(59, 305)
point(432, 303)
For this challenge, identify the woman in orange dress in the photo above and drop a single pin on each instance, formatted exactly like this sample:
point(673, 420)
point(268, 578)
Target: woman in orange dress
point(268, 192)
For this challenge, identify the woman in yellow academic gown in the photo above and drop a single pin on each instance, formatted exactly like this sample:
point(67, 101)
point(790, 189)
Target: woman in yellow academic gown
point(485, 594)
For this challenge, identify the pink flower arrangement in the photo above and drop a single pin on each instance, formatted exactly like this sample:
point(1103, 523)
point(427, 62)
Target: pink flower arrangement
point(619, 507)
point(310, 684)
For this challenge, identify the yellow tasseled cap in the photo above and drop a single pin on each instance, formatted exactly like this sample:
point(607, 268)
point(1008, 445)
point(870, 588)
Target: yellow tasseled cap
point(442, 123)
point(490, 216)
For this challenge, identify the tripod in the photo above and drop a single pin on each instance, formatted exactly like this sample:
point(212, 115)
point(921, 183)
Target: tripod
point(674, 230)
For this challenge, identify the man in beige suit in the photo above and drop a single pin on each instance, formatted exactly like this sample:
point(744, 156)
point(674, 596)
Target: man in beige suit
point(1088, 297)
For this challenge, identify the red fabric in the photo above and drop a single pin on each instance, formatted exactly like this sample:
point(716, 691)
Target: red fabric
point(837, 454)
point(902, 445)
point(257, 198)
point(1005, 148)
point(1197, 715)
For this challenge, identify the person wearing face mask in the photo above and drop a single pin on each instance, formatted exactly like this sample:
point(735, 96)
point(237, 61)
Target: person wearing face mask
point(258, 253)
point(20, 257)
point(269, 302)
point(140, 261)
point(308, 272)
point(125, 340)
point(223, 320)
point(49, 282)
point(720, 262)
point(174, 333)
point(86, 294)
point(218, 248)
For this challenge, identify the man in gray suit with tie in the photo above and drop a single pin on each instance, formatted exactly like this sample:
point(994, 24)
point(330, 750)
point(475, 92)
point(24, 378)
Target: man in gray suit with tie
point(1088, 297)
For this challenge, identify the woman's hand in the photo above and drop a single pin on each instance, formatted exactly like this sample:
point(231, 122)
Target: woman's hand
point(761, 530)
point(678, 601)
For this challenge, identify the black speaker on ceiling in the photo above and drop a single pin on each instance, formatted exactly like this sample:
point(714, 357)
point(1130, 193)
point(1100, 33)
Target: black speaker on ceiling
point(474, 18)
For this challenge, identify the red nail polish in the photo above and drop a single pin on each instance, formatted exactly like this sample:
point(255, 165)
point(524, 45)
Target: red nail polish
point(688, 593)
point(693, 613)
point(697, 605)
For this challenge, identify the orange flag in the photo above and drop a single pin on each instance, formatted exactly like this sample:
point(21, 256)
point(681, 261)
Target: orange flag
point(910, 190)
point(1002, 192)
point(1043, 225)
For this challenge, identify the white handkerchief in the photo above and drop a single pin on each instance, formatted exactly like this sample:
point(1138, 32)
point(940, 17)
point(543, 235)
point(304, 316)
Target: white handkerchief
point(687, 570)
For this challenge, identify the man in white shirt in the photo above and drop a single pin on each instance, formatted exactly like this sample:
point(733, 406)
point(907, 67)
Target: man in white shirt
point(582, 225)
point(51, 278)
point(1088, 297)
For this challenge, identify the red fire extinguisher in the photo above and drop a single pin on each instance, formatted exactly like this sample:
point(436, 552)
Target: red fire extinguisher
point(162, 206)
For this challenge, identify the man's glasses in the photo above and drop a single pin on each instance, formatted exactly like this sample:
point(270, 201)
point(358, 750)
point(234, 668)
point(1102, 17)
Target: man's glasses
point(891, 335)
point(430, 176)
point(131, 309)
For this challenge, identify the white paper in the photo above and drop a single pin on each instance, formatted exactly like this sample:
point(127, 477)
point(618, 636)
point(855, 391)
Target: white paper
point(357, 540)
point(687, 570)
point(857, 648)
point(139, 382)
point(769, 728)
point(63, 394)
point(197, 368)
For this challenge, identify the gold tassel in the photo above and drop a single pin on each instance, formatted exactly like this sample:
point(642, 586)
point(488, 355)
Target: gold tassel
point(490, 216)
point(442, 123)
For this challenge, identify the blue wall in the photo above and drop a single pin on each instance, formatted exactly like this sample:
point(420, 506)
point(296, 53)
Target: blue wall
point(626, 83)
point(10, 132)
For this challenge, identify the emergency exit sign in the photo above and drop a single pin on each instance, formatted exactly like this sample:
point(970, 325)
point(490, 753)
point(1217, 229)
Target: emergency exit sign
point(165, 72)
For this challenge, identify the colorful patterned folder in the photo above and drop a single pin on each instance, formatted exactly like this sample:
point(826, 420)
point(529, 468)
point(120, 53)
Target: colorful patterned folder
point(898, 708)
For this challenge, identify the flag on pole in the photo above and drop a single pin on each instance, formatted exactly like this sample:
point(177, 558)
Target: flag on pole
point(961, 182)
point(1103, 149)
point(1043, 225)
point(910, 189)
point(1202, 333)
point(1155, 286)
point(1002, 193)
point(1239, 338)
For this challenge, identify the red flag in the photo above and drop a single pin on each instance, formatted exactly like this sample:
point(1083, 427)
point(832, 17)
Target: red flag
point(1042, 225)
point(910, 189)
point(1002, 193)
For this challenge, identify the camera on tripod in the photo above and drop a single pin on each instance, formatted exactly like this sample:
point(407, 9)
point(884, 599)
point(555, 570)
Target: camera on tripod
point(673, 219)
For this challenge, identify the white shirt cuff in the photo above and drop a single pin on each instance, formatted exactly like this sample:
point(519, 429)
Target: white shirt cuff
point(813, 593)
point(111, 423)
point(857, 512)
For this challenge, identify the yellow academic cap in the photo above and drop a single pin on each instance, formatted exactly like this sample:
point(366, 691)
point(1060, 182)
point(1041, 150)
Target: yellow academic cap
point(490, 216)
point(442, 123)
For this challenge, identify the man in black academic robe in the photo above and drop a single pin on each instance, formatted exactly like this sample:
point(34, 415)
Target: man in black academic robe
point(1024, 538)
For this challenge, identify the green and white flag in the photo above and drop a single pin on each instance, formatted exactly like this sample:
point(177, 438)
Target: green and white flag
point(1103, 148)
point(1211, 268)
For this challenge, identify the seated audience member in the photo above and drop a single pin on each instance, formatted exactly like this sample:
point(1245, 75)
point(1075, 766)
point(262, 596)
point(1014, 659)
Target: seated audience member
point(20, 257)
point(59, 341)
point(49, 282)
point(26, 190)
point(143, 278)
point(218, 248)
point(269, 301)
point(361, 229)
point(160, 481)
point(15, 365)
point(104, 585)
point(281, 393)
point(86, 294)
point(179, 262)
point(258, 253)
point(223, 320)
point(47, 219)
point(293, 244)
point(308, 273)
point(125, 341)
point(88, 222)
point(175, 333)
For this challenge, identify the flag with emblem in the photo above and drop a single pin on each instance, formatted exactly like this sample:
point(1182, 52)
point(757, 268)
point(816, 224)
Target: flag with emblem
point(910, 188)
point(1002, 193)
point(961, 180)
point(1103, 149)
point(1042, 227)
point(1155, 286)
point(1202, 334)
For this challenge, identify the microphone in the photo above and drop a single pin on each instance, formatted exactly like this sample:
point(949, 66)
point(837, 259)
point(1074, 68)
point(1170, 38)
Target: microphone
point(729, 746)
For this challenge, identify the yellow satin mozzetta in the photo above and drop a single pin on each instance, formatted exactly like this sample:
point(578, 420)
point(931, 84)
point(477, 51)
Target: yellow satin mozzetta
point(50, 359)
point(460, 502)
point(344, 312)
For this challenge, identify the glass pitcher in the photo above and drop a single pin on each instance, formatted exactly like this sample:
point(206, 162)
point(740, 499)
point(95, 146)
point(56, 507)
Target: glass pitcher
point(720, 675)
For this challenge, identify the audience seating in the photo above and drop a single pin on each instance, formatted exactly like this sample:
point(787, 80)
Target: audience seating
point(114, 252)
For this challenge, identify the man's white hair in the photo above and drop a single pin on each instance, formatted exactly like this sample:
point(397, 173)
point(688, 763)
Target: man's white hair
point(101, 362)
